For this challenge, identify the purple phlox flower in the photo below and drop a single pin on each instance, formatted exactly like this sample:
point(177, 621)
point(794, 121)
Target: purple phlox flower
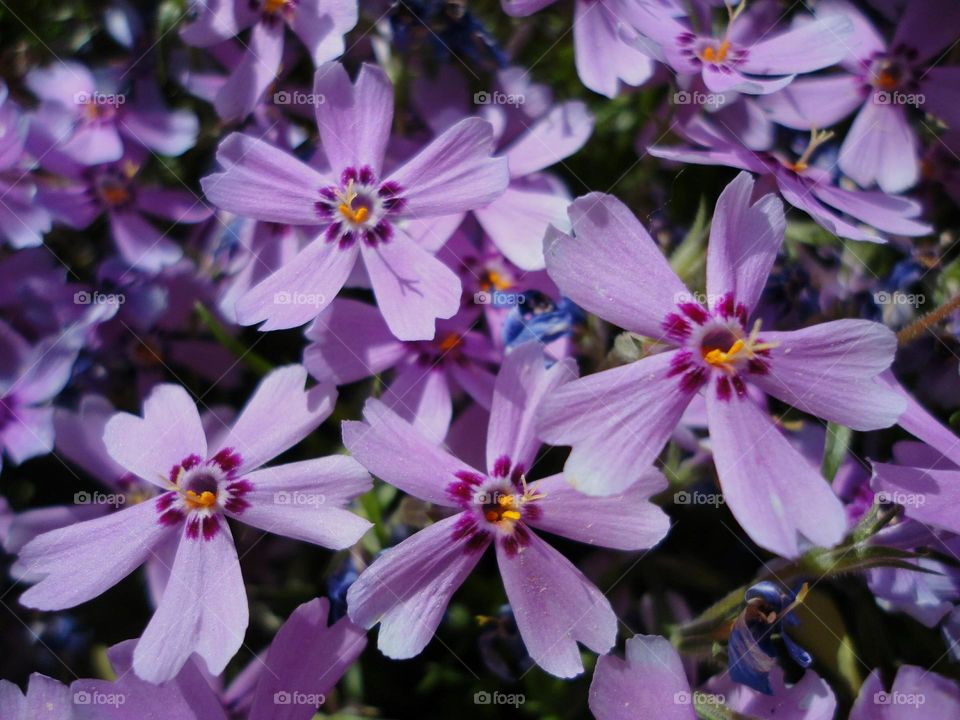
point(604, 55)
point(350, 341)
point(828, 370)
point(30, 377)
point(751, 650)
point(88, 116)
point(45, 698)
point(881, 81)
point(408, 587)
point(531, 139)
point(803, 185)
point(358, 210)
point(320, 25)
point(651, 683)
point(23, 221)
point(114, 189)
point(916, 692)
point(203, 609)
point(749, 57)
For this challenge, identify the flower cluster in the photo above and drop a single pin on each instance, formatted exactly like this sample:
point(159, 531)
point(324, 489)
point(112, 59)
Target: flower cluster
point(419, 319)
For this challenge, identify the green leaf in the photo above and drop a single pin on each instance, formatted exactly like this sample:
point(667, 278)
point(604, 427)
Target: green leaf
point(689, 259)
point(838, 442)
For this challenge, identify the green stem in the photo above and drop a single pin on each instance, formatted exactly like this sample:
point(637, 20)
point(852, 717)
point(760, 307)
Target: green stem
point(252, 360)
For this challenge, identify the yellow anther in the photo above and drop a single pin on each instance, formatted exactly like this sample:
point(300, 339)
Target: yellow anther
point(204, 499)
point(492, 280)
point(717, 54)
point(742, 348)
point(272, 7)
point(346, 206)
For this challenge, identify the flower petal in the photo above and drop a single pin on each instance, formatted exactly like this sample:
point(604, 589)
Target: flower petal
point(626, 521)
point(830, 370)
point(169, 431)
point(83, 560)
point(881, 148)
point(407, 589)
point(354, 119)
point(413, 288)
point(553, 137)
point(517, 220)
point(455, 172)
point(804, 48)
point(647, 684)
point(775, 509)
point(306, 657)
point(611, 266)
point(350, 341)
point(522, 384)
point(422, 396)
point(258, 436)
point(606, 417)
point(253, 75)
point(263, 182)
point(306, 501)
point(203, 610)
point(555, 607)
point(393, 450)
point(744, 241)
point(300, 289)
point(928, 495)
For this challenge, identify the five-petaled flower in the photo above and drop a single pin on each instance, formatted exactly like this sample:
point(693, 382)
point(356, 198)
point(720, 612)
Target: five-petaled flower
point(203, 480)
point(359, 208)
point(613, 268)
point(407, 589)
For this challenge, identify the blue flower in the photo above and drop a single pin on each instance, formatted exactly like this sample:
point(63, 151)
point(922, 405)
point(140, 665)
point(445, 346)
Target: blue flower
point(539, 318)
point(752, 651)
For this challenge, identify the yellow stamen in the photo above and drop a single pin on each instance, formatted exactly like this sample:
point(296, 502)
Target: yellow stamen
point(739, 350)
point(204, 499)
point(817, 138)
point(346, 207)
point(492, 280)
point(272, 7)
point(716, 55)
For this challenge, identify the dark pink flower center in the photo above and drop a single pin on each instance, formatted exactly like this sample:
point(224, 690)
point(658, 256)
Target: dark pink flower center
point(496, 505)
point(716, 345)
point(359, 207)
point(201, 491)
